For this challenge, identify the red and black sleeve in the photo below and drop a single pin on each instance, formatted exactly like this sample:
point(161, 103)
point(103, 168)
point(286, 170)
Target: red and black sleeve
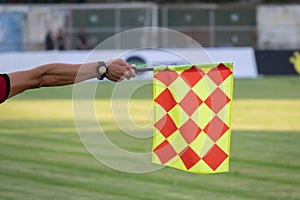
point(4, 87)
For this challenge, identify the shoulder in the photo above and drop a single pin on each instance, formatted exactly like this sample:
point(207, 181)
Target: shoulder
point(4, 78)
point(4, 87)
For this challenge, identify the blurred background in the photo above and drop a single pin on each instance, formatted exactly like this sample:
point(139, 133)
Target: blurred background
point(271, 28)
point(41, 155)
point(261, 24)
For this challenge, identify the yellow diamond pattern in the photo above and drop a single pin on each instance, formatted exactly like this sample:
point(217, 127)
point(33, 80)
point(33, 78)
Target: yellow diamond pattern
point(179, 89)
point(177, 142)
point(204, 88)
point(178, 115)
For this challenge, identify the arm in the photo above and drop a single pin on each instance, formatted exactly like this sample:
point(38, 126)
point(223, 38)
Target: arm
point(59, 74)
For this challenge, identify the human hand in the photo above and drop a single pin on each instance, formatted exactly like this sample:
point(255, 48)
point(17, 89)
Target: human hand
point(118, 70)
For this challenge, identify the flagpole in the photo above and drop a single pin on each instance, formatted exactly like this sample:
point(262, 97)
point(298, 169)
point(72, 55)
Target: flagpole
point(137, 70)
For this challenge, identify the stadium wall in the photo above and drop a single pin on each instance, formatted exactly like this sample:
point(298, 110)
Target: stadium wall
point(278, 26)
point(212, 25)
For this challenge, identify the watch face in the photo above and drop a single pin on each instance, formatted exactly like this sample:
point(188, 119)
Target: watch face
point(102, 69)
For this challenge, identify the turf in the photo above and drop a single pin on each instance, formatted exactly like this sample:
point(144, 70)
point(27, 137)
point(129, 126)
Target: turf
point(42, 157)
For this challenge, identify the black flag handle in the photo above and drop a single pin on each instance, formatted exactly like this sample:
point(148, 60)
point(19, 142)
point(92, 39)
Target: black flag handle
point(137, 70)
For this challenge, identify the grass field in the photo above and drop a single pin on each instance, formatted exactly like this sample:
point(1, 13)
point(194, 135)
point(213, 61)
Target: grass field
point(42, 157)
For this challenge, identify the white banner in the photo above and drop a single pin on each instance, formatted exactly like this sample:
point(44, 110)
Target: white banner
point(242, 58)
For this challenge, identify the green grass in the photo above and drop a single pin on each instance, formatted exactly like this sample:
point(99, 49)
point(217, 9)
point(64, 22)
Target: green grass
point(42, 157)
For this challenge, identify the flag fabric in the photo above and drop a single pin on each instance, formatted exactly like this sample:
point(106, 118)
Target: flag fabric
point(192, 117)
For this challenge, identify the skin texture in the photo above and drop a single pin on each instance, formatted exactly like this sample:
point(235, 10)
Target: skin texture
point(59, 74)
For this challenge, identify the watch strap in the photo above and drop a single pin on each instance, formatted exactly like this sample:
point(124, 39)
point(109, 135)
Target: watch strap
point(101, 76)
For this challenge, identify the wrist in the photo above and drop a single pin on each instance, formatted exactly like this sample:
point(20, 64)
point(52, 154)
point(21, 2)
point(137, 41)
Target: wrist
point(101, 70)
point(107, 63)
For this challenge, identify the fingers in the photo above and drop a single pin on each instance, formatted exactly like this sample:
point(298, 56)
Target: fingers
point(112, 77)
point(127, 76)
point(118, 70)
point(132, 72)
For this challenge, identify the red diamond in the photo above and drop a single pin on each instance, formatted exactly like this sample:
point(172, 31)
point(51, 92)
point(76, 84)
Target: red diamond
point(219, 74)
point(215, 157)
point(192, 75)
point(190, 102)
point(189, 157)
point(215, 128)
point(166, 126)
point(217, 100)
point(189, 131)
point(166, 77)
point(165, 152)
point(166, 100)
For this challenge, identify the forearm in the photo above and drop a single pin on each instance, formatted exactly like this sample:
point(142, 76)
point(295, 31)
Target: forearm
point(58, 74)
point(54, 74)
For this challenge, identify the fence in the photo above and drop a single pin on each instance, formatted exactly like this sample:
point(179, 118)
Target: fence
point(210, 24)
point(99, 20)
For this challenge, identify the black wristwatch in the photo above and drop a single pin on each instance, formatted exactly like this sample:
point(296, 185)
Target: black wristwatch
point(102, 70)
